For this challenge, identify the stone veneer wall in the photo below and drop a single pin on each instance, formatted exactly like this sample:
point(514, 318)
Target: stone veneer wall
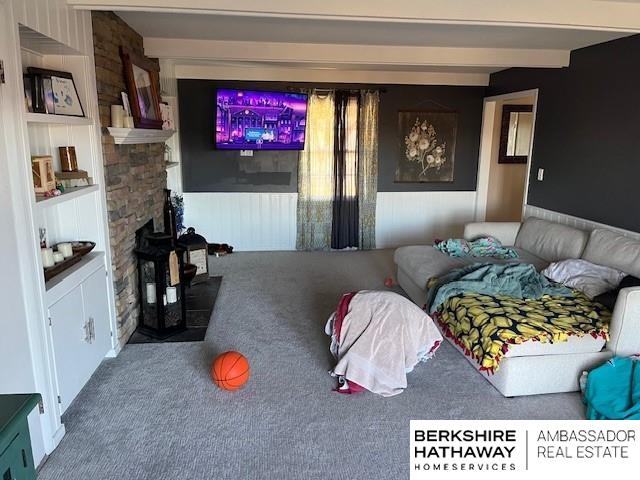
point(135, 175)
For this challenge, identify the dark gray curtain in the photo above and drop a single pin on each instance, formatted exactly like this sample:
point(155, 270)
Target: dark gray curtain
point(345, 223)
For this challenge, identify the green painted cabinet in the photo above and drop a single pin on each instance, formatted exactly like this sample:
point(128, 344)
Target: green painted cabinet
point(16, 458)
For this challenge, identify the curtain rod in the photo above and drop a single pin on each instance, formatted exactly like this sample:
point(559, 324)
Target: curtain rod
point(327, 90)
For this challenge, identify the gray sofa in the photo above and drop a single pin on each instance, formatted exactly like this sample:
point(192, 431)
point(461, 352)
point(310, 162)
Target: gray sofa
point(535, 367)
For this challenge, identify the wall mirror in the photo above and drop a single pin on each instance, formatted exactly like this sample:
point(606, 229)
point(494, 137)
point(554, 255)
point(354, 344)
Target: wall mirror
point(515, 133)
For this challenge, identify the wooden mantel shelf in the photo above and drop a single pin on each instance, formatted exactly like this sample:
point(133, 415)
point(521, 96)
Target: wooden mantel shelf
point(130, 136)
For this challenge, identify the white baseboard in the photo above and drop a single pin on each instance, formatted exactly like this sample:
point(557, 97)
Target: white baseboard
point(577, 222)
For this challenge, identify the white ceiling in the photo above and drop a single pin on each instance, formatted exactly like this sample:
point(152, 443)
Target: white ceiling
point(305, 30)
point(373, 49)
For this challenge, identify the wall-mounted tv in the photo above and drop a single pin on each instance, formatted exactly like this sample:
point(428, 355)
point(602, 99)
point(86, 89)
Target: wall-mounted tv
point(256, 120)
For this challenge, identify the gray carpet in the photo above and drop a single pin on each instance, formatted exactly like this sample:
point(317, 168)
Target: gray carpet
point(153, 413)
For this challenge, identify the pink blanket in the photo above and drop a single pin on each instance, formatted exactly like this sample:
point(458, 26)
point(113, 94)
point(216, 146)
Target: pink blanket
point(377, 338)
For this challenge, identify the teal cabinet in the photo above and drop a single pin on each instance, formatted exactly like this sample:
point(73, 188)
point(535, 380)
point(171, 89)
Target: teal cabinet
point(16, 458)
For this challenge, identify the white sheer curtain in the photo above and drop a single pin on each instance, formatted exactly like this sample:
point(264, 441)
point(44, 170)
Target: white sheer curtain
point(316, 174)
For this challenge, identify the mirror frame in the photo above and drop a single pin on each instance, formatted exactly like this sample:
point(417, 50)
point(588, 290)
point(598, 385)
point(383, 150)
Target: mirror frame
point(504, 134)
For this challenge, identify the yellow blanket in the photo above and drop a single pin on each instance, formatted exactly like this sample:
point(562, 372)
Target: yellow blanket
point(484, 326)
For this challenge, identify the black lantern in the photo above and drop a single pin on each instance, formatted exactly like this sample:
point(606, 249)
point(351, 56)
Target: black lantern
point(197, 254)
point(160, 287)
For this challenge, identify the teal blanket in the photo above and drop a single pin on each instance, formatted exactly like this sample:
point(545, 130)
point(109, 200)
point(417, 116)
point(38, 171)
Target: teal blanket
point(613, 390)
point(518, 280)
point(481, 247)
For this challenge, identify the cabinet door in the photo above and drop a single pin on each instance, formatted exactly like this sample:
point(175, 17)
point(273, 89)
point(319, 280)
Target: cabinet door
point(96, 310)
point(70, 336)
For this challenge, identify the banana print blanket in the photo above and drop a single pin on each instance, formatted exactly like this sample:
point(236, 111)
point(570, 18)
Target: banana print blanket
point(485, 322)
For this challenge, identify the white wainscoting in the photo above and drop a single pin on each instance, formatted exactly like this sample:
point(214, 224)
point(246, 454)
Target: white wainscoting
point(267, 221)
point(248, 221)
point(577, 222)
point(409, 218)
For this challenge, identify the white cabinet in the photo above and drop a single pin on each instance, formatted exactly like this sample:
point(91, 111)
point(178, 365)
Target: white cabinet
point(80, 334)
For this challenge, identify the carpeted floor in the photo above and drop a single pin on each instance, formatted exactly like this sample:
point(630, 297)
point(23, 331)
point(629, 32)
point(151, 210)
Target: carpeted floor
point(152, 413)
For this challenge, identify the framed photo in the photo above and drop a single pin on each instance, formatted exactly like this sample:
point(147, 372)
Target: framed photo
point(125, 103)
point(63, 92)
point(141, 76)
point(427, 146)
point(168, 122)
point(49, 99)
point(28, 92)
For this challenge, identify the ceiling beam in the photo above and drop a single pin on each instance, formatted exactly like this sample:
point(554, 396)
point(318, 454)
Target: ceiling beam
point(310, 53)
point(283, 74)
point(605, 15)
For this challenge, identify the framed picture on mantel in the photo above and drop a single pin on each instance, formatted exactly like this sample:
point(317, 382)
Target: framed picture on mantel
point(141, 77)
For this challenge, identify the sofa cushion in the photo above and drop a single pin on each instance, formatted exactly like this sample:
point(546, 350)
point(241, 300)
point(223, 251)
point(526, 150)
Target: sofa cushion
point(423, 262)
point(609, 248)
point(551, 241)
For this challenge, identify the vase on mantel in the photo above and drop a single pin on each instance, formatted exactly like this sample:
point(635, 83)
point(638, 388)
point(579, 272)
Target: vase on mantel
point(170, 217)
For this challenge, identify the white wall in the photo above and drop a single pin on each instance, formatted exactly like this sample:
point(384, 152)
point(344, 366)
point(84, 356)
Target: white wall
point(267, 221)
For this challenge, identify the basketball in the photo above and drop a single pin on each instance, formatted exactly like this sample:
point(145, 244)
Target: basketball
point(230, 370)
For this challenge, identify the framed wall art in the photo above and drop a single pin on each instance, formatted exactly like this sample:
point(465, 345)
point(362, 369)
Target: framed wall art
point(141, 77)
point(55, 93)
point(428, 144)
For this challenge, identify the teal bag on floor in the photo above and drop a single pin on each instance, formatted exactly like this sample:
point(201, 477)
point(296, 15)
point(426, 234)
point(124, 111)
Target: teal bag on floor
point(613, 390)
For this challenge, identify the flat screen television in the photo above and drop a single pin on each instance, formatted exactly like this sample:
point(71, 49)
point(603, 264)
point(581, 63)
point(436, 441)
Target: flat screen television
point(256, 120)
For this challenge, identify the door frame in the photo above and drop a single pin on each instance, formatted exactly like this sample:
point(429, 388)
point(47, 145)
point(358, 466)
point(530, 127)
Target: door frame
point(486, 148)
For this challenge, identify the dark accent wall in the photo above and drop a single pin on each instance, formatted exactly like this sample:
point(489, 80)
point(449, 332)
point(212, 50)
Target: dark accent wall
point(205, 169)
point(587, 133)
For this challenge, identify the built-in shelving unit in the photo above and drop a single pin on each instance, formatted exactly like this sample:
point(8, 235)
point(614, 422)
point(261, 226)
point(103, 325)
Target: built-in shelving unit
point(122, 136)
point(69, 194)
point(73, 323)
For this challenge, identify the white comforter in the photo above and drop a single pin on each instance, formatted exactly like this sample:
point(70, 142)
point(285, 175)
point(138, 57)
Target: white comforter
point(383, 336)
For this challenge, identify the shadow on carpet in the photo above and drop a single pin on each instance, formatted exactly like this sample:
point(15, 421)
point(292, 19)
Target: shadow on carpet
point(201, 299)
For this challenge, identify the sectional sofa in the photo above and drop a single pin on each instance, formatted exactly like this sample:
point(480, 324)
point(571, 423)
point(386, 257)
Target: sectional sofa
point(535, 367)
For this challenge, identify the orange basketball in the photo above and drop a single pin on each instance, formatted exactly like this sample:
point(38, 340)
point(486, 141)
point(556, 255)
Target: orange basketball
point(230, 370)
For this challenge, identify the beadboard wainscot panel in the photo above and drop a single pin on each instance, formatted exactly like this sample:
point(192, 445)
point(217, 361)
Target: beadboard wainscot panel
point(413, 218)
point(248, 221)
point(267, 221)
point(577, 222)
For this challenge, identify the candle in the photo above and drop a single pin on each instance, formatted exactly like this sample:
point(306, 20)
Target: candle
point(151, 293)
point(47, 257)
point(65, 249)
point(172, 294)
point(117, 116)
point(128, 122)
point(58, 257)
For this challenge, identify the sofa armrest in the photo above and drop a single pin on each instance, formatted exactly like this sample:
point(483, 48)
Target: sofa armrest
point(505, 232)
point(624, 330)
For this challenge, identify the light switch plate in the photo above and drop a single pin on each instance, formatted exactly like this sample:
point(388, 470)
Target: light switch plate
point(540, 174)
point(246, 153)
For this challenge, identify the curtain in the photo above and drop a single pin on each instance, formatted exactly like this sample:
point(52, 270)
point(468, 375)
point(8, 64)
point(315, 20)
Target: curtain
point(315, 174)
point(345, 167)
point(367, 168)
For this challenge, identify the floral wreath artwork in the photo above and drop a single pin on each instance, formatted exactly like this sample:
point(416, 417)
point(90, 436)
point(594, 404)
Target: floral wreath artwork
point(429, 146)
point(422, 146)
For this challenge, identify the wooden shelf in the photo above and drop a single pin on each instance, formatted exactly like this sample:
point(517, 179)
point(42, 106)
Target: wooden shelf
point(128, 136)
point(69, 194)
point(56, 119)
point(62, 283)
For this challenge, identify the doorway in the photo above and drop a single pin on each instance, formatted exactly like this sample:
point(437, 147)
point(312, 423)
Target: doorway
point(505, 156)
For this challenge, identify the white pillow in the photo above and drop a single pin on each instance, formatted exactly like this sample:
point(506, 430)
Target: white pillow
point(589, 278)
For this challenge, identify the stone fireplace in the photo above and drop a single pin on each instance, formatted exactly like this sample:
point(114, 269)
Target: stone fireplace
point(135, 175)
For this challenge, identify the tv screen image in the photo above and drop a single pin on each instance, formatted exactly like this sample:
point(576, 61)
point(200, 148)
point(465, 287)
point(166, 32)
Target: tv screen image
point(255, 120)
